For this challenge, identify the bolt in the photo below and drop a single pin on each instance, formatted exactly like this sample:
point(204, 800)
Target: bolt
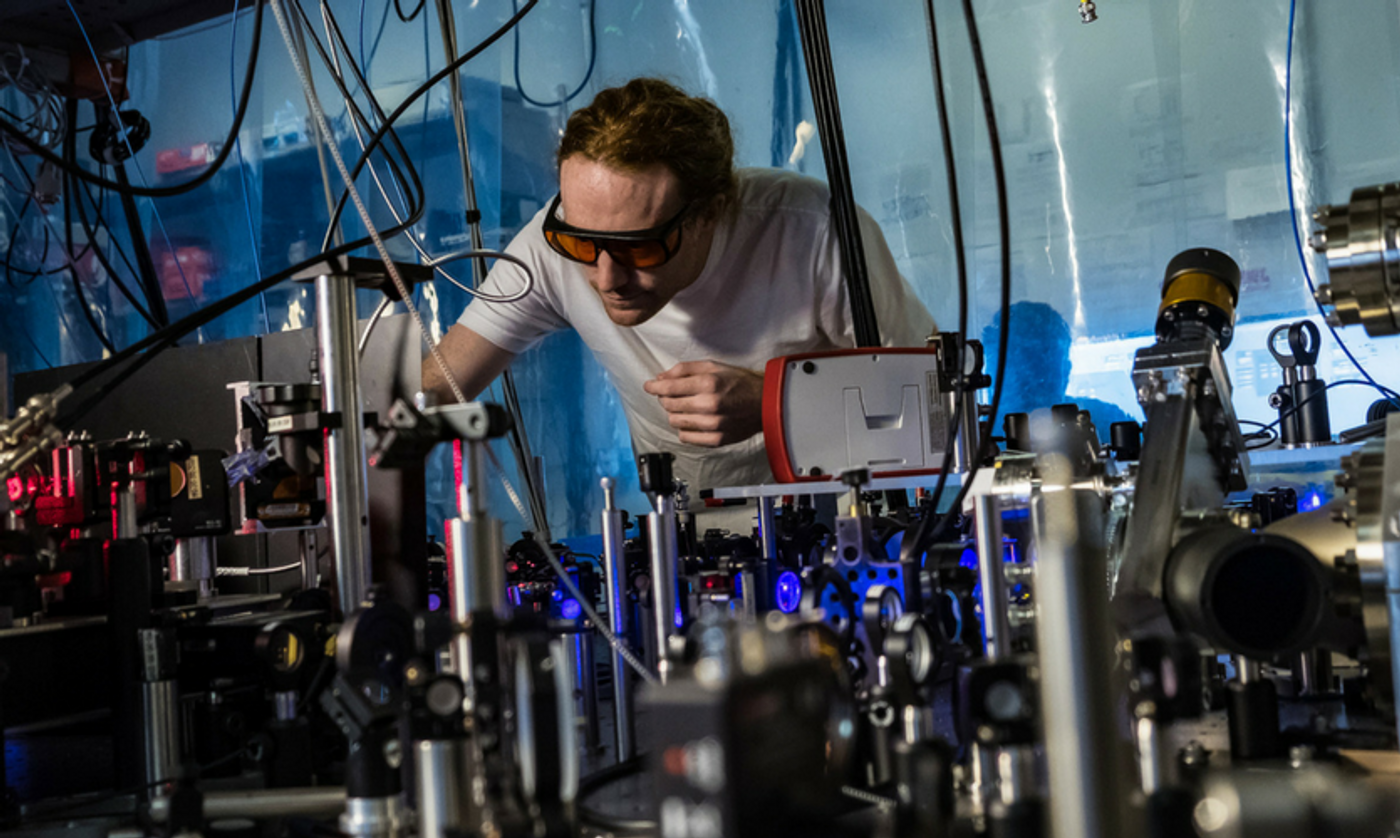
point(1323, 295)
point(1300, 755)
point(1320, 214)
point(1318, 241)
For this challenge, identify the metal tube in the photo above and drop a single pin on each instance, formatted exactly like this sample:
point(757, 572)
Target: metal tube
point(322, 801)
point(1077, 701)
point(441, 769)
point(991, 573)
point(347, 491)
point(1247, 670)
point(285, 705)
point(476, 572)
point(767, 529)
point(585, 669)
point(160, 708)
point(662, 529)
point(984, 766)
point(125, 523)
point(192, 562)
point(1013, 773)
point(1149, 748)
point(615, 583)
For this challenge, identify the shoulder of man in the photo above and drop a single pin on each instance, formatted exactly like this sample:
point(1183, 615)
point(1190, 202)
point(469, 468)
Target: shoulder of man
point(777, 189)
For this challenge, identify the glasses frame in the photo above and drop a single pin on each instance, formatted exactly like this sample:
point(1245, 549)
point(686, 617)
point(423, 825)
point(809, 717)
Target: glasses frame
point(606, 240)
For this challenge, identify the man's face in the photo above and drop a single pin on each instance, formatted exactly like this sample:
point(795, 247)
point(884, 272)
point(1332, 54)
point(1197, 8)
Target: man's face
point(599, 198)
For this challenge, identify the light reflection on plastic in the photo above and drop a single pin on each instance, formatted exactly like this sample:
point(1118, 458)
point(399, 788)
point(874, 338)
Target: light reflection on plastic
point(788, 591)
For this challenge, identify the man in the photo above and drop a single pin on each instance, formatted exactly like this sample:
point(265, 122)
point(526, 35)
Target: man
point(682, 275)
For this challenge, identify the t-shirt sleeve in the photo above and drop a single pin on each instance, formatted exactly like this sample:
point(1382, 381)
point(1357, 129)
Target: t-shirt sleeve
point(902, 317)
point(516, 326)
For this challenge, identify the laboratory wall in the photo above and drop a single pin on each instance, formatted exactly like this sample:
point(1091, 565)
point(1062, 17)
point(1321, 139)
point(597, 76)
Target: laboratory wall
point(1159, 127)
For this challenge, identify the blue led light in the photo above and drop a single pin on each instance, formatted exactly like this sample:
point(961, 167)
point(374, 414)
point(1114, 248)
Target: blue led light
point(570, 609)
point(969, 558)
point(434, 602)
point(1311, 501)
point(680, 618)
point(558, 595)
point(788, 591)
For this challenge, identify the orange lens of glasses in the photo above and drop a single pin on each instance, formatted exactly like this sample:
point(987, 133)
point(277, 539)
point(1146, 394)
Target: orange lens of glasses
point(574, 247)
point(646, 254)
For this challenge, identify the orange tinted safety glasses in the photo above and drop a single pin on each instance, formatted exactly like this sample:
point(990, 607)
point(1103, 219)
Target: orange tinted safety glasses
point(634, 249)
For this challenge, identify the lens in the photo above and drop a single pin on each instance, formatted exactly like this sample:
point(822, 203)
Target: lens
point(647, 254)
point(572, 247)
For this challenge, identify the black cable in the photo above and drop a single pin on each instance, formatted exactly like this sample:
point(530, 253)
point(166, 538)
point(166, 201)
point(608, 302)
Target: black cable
point(592, 61)
point(14, 234)
point(407, 184)
point(158, 341)
point(147, 278)
point(163, 191)
point(927, 535)
point(166, 337)
point(410, 16)
point(70, 155)
point(76, 190)
point(816, 48)
point(408, 102)
point(1299, 406)
point(960, 255)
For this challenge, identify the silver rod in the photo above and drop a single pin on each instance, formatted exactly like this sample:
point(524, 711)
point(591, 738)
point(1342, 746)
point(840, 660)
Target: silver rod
point(160, 711)
point(285, 705)
point(1013, 773)
point(661, 526)
point(767, 529)
point(347, 490)
point(1149, 747)
point(585, 676)
point(126, 524)
point(322, 801)
point(1247, 670)
point(991, 573)
point(475, 568)
point(440, 766)
point(615, 575)
point(1077, 701)
point(984, 766)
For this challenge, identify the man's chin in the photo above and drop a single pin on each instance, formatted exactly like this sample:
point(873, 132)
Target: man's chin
point(629, 315)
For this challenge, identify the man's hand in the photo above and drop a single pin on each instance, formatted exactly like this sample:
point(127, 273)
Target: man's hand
point(710, 403)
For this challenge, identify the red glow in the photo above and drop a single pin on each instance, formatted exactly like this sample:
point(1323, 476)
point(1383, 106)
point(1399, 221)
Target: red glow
point(15, 486)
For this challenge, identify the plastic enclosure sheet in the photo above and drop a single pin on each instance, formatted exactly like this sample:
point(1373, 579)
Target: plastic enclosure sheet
point(1157, 128)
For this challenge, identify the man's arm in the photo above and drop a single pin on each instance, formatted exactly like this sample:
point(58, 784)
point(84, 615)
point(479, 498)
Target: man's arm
point(710, 403)
point(475, 362)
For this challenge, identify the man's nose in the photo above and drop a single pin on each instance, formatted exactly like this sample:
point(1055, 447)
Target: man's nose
point(611, 276)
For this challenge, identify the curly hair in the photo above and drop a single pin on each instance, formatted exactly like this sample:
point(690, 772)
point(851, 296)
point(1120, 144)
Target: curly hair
point(649, 121)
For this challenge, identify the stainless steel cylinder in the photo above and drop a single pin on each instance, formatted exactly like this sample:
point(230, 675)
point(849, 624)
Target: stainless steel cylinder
point(615, 583)
point(285, 704)
point(441, 769)
point(323, 801)
point(661, 526)
point(767, 529)
point(1149, 750)
point(160, 718)
point(372, 817)
point(126, 525)
point(1086, 769)
point(477, 575)
point(586, 666)
point(347, 488)
point(992, 574)
point(192, 562)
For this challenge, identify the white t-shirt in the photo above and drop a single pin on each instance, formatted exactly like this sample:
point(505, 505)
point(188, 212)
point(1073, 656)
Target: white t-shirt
point(770, 287)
